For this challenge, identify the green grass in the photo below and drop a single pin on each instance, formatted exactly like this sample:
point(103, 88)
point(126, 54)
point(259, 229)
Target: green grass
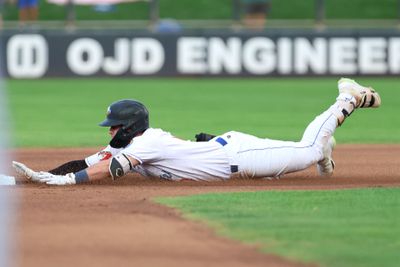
point(65, 112)
point(354, 228)
point(222, 9)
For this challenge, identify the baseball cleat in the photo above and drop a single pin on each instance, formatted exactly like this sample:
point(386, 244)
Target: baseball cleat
point(366, 97)
point(326, 166)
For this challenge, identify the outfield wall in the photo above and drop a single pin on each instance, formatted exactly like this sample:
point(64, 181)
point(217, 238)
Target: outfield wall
point(118, 53)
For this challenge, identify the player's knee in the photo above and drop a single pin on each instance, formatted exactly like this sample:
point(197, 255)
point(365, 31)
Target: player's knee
point(119, 166)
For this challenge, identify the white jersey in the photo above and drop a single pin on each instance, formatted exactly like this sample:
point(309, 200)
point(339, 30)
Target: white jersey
point(162, 155)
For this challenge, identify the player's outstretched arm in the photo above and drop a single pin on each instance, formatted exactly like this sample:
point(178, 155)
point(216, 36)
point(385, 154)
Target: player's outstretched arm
point(95, 172)
point(42, 177)
point(114, 167)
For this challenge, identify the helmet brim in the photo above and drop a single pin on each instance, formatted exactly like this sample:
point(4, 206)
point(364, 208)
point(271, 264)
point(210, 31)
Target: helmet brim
point(110, 123)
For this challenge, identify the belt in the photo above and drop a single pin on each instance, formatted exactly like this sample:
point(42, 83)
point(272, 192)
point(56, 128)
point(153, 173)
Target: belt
point(222, 142)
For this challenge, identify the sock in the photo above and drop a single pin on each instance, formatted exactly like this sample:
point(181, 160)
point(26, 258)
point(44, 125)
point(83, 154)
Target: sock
point(343, 107)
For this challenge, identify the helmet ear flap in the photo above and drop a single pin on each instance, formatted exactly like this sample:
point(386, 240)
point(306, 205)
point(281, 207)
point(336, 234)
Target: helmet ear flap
point(122, 138)
point(127, 132)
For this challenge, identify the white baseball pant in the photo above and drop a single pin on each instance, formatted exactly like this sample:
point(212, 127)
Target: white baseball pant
point(257, 157)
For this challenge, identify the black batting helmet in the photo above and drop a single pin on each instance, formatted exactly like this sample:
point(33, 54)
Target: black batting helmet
point(131, 114)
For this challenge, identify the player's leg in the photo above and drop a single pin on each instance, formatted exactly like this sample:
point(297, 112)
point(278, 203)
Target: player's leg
point(274, 158)
point(320, 132)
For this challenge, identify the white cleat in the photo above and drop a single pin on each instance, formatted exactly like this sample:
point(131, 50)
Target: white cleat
point(366, 97)
point(326, 166)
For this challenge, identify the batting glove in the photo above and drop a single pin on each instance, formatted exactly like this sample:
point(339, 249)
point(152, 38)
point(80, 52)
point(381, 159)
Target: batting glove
point(43, 177)
point(51, 179)
point(25, 171)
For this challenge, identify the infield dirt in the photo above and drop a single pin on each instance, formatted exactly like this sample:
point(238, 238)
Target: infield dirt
point(117, 223)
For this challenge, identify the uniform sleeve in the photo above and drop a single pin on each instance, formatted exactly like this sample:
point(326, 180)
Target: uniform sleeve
point(104, 154)
point(144, 150)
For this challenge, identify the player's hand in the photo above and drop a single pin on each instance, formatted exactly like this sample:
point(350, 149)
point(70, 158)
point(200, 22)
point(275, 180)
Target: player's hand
point(51, 179)
point(25, 171)
point(43, 177)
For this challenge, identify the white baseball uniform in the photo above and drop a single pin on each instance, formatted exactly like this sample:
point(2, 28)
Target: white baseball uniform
point(162, 155)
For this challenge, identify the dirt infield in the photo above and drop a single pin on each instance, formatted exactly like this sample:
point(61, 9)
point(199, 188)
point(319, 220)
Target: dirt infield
point(117, 224)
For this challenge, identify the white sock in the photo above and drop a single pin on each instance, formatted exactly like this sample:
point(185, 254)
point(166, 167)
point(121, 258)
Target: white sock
point(343, 107)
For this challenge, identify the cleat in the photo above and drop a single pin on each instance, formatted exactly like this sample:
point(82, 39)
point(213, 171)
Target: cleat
point(326, 166)
point(366, 97)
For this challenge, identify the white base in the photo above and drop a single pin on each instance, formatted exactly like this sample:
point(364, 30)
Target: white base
point(7, 180)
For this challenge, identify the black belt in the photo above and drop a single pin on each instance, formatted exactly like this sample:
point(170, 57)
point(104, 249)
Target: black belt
point(222, 142)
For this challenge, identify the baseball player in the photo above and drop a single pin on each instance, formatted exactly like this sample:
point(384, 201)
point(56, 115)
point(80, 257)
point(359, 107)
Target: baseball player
point(135, 147)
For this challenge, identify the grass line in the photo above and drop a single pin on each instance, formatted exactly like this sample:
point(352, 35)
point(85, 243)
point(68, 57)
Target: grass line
point(334, 228)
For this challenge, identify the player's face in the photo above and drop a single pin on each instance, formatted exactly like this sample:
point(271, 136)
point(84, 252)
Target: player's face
point(113, 130)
